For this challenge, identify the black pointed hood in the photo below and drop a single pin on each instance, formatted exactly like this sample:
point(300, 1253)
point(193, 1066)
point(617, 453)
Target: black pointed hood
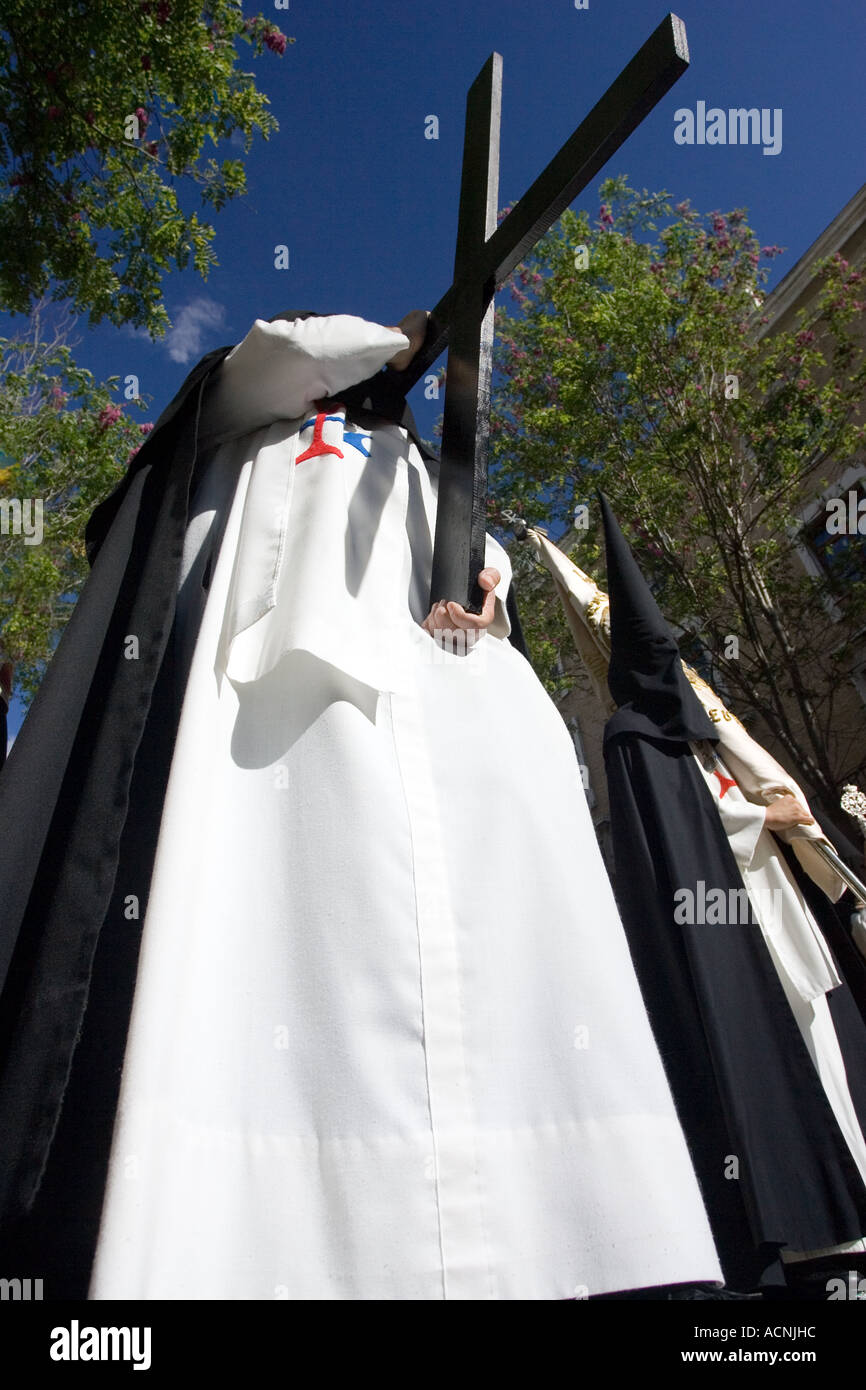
point(645, 677)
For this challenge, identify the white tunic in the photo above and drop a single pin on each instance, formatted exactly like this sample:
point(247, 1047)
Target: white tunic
point(387, 1040)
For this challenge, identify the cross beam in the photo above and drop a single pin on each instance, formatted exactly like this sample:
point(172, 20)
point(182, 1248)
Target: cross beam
point(486, 255)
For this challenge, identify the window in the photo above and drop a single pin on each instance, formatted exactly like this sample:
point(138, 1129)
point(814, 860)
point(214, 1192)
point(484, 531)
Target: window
point(574, 729)
point(833, 537)
point(831, 555)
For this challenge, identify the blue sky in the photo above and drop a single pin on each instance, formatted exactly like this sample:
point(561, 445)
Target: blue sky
point(367, 206)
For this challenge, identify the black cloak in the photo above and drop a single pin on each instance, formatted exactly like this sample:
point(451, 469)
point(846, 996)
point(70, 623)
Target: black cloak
point(4, 733)
point(773, 1166)
point(81, 800)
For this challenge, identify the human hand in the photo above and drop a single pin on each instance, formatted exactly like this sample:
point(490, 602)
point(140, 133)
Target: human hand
point(452, 615)
point(785, 813)
point(414, 325)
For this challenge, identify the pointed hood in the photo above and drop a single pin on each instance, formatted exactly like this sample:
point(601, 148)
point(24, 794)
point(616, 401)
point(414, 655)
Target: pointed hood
point(646, 677)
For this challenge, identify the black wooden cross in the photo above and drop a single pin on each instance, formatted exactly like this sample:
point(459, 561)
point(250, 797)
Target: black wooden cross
point(486, 255)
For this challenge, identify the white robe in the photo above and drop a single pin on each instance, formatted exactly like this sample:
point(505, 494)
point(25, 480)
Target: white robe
point(387, 1040)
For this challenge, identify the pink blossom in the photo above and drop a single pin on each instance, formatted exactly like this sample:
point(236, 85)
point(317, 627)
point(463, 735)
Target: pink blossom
point(718, 224)
point(89, 117)
point(163, 10)
point(715, 272)
point(605, 215)
point(275, 41)
point(108, 415)
point(803, 383)
point(142, 118)
point(145, 428)
point(58, 397)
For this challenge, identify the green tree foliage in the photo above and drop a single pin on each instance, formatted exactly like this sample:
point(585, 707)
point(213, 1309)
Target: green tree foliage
point(107, 114)
point(613, 376)
point(64, 442)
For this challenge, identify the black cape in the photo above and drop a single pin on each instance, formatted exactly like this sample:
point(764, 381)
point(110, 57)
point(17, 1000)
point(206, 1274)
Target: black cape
point(81, 799)
point(771, 1161)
